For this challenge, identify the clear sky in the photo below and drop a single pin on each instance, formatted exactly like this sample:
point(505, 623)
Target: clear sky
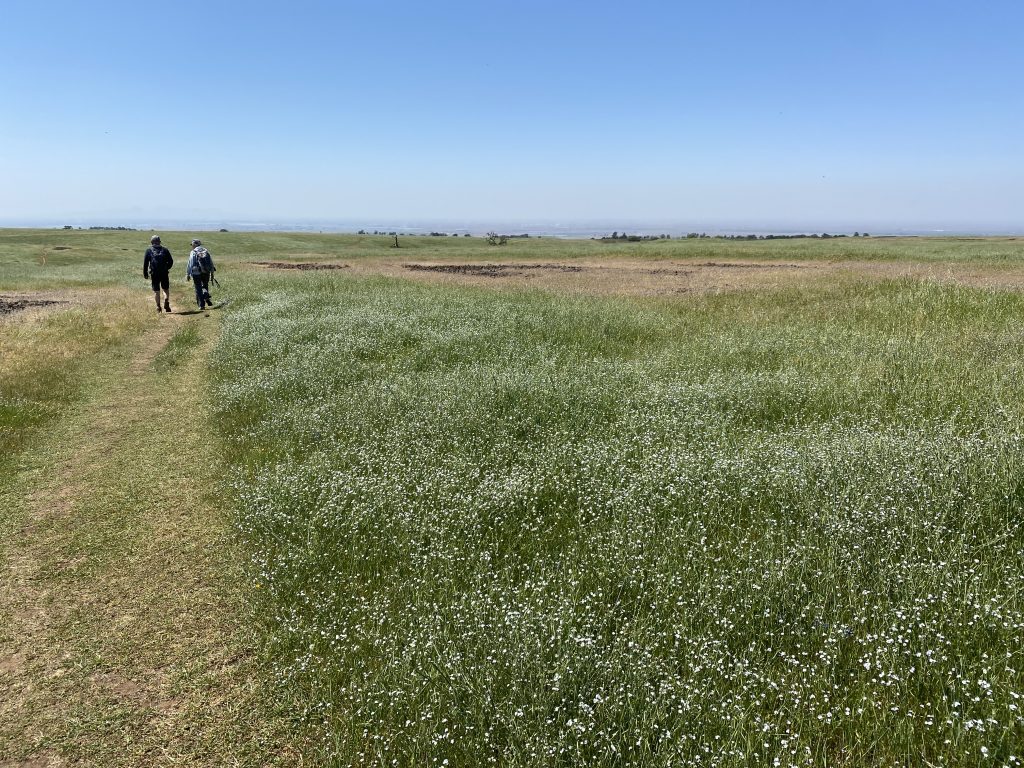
point(773, 114)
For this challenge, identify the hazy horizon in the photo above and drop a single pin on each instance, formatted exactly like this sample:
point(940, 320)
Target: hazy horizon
point(565, 229)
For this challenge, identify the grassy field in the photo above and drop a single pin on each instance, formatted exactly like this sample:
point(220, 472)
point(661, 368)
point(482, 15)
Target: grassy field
point(693, 503)
point(123, 632)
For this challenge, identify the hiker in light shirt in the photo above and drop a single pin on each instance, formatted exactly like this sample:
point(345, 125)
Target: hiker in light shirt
point(199, 269)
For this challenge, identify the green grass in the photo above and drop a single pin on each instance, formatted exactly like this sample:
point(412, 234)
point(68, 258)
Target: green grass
point(183, 343)
point(46, 259)
point(519, 528)
point(516, 529)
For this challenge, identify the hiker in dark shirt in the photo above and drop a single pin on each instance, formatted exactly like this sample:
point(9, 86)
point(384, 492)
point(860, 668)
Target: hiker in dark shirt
point(156, 265)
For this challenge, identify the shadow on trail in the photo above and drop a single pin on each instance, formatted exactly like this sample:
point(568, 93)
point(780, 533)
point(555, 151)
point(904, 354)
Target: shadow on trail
point(200, 311)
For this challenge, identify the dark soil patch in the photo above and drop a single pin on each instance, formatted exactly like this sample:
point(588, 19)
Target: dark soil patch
point(11, 305)
point(62, 247)
point(669, 272)
point(303, 265)
point(490, 270)
point(734, 265)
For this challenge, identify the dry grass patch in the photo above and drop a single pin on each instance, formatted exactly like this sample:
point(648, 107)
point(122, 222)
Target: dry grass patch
point(47, 347)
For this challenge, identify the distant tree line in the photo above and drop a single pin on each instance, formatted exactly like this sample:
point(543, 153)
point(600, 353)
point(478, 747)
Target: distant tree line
point(495, 239)
point(402, 234)
point(822, 236)
point(623, 237)
point(122, 229)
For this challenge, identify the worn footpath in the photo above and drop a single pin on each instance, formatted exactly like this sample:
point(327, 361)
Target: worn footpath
point(120, 634)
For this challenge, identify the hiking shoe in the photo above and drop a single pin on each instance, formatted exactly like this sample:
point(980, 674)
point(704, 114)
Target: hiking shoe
point(158, 310)
point(167, 306)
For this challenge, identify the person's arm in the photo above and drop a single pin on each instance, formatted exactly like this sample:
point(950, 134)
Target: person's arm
point(188, 267)
point(170, 260)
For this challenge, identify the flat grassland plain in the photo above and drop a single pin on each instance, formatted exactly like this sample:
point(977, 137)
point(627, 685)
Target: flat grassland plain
point(672, 503)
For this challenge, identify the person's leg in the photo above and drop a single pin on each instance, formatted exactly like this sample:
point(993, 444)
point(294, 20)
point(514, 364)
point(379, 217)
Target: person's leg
point(197, 284)
point(165, 283)
point(155, 282)
point(206, 290)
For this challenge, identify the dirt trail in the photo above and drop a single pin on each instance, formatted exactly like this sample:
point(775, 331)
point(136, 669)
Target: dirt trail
point(119, 635)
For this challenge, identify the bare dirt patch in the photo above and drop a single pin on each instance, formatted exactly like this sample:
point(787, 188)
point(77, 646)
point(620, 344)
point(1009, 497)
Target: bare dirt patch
point(137, 693)
point(491, 270)
point(10, 304)
point(639, 277)
point(32, 762)
point(302, 265)
point(748, 265)
point(12, 663)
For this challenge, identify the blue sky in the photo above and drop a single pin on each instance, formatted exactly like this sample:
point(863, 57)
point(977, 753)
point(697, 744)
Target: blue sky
point(773, 115)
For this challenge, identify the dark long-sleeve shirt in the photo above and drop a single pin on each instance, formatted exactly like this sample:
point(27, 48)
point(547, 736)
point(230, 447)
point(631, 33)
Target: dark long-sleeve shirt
point(157, 261)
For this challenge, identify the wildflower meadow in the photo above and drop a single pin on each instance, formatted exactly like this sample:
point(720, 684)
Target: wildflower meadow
point(515, 528)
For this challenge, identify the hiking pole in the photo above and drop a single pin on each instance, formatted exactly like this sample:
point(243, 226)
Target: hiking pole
point(215, 280)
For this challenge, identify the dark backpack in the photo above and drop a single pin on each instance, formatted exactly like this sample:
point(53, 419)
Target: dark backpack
point(159, 260)
point(204, 261)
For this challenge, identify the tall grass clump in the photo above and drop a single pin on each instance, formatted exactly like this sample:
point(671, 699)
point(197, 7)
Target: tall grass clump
point(520, 530)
